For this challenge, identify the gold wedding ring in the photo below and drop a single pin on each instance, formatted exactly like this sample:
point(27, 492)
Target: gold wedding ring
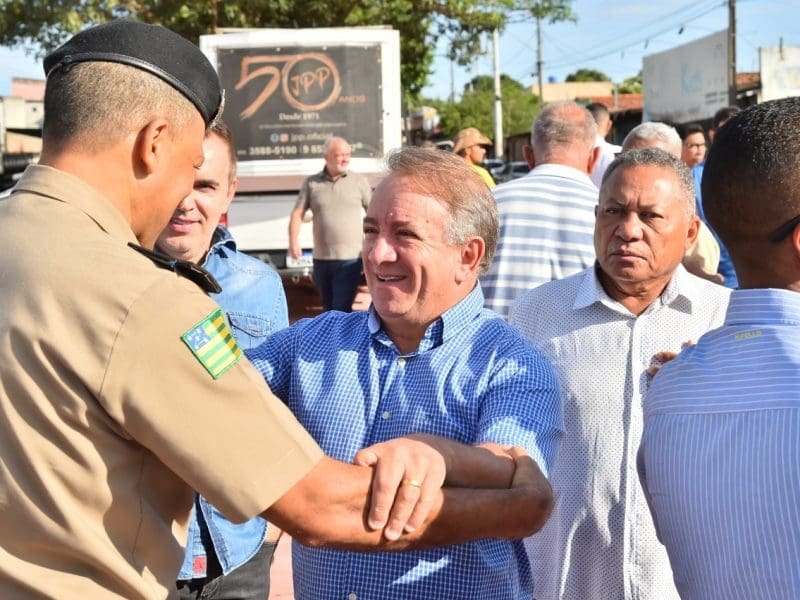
point(415, 482)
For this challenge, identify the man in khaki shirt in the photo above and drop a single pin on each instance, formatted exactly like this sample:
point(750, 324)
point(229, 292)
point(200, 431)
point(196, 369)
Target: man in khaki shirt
point(337, 197)
point(106, 360)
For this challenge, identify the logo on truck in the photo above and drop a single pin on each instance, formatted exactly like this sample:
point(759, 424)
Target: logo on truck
point(308, 81)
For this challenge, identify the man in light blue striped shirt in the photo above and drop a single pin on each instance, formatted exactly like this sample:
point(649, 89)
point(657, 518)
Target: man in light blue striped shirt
point(547, 216)
point(720, 453)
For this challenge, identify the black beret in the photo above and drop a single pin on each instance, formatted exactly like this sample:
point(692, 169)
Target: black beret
point(151, 48)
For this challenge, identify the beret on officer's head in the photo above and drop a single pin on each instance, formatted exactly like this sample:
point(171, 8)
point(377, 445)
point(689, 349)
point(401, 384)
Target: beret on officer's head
point(151, 48)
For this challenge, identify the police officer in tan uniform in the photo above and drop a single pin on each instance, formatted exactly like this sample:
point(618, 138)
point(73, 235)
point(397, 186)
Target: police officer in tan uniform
point(110, 354)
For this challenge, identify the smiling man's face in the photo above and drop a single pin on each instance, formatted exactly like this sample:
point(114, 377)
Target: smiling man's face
point(188, 234)
point(412, 271)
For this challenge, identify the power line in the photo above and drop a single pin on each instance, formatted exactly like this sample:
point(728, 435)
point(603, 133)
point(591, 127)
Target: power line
point(684, 17)
point(520, 16)
point(648, 34)
point(640, 40)
point(625, 40)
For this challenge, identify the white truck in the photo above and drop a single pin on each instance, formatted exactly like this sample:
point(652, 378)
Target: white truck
point(286, 92)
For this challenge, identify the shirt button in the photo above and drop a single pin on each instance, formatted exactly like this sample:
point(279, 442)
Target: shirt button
point(401, 361)
point(352, 596)
point(385, 415)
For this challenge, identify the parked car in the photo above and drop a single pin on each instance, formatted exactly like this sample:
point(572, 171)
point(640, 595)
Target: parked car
point(444, 145)
point(513, 170)
point(495, 166)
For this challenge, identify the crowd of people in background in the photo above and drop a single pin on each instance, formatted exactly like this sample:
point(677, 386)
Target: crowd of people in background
point(579, 384)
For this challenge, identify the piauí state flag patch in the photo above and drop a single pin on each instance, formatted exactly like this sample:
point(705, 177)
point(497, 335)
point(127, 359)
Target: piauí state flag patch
point(213, 344)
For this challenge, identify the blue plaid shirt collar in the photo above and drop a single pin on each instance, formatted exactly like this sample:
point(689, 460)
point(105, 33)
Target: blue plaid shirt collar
point(445, 327)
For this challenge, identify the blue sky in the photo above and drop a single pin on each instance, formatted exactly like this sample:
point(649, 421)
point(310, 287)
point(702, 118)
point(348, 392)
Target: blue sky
point(15, 63)
point(610, 35)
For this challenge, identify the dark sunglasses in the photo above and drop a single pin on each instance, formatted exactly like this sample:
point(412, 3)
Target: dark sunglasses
point(782, 232)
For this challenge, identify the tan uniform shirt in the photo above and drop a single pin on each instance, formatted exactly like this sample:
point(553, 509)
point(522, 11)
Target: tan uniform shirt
point(338, 213)
point(109, 421)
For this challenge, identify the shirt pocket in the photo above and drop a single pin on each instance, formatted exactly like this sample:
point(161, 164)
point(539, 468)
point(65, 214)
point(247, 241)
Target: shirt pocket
point(249, 330)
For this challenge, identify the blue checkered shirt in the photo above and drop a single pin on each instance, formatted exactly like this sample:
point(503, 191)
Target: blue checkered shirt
point(472, 379)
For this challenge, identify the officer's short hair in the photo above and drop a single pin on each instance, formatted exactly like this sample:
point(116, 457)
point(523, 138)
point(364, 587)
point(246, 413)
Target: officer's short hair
point(95, 104)
point(109, 79)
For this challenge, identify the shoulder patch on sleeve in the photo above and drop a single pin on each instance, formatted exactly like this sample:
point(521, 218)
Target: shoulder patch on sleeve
point(213, 344)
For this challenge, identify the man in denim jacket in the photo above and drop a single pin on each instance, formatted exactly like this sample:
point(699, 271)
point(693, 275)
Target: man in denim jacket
point(224, 560)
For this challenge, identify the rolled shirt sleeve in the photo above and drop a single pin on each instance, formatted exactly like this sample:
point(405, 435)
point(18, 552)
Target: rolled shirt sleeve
point(229, 438)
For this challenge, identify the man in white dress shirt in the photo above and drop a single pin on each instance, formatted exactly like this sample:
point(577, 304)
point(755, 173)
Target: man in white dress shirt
point(604, 330)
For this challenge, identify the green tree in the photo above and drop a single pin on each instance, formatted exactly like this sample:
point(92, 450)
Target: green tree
point(45, 24)
point(588, 75)
point(475, 109)
point(631, 85)
point(553, 11)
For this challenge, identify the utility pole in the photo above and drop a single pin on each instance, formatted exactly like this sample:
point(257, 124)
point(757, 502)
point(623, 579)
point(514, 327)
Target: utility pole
point(539, 58)
point(731, 52)
point(452, 80)
point(498, 96)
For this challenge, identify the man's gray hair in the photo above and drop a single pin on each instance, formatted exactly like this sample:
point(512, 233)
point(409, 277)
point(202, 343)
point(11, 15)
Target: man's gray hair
point(450, 180)
point(562, 125)
point(656, 157)
point(326, 147)
point(655, 135)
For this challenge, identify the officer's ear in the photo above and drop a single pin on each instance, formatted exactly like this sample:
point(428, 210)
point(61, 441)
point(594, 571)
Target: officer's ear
point(151, 144)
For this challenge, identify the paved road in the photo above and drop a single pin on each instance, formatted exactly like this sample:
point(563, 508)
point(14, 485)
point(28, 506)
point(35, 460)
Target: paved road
point(280, 586)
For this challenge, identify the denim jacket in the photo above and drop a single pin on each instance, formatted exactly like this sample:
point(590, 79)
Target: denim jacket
point(252, 296)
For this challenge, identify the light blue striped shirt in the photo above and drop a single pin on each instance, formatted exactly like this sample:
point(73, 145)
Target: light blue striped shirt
point(546, 232)
point(473, 379)
point(720, 454)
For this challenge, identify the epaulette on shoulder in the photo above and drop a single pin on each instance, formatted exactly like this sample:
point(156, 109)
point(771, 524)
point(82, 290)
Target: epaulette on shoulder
point(184, 268)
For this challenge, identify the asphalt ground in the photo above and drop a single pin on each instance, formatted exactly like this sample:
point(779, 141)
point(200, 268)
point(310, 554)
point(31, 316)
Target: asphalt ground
point(280, 574)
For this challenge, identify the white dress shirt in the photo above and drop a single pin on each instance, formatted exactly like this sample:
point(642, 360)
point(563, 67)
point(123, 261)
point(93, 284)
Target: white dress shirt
point(600, 542)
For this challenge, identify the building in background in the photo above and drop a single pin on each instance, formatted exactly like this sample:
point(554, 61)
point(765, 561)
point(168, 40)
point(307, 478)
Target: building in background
point(780, 72)
point(21, 116)
point(573, 90)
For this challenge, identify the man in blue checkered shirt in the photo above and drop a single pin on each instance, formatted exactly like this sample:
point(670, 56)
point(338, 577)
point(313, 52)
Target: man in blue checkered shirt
point(426, 359)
